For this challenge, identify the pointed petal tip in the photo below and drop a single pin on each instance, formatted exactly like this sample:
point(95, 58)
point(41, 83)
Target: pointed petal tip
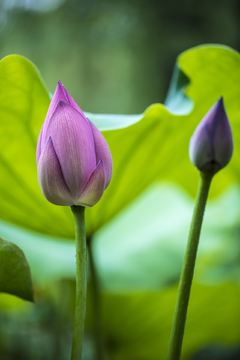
point(62, 104)
point(94, 188)
point(65, 105)
point(220, 103)
point(102, 152)
point(222, 110)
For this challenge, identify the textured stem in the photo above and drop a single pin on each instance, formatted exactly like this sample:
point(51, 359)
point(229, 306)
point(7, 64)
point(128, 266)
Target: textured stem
point(98, 333)
point(81, 282)
point(188, 270)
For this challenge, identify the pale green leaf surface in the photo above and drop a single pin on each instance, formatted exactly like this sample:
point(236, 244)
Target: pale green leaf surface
point(177, 101)
point(49, 258)
point(15, 276)
point(106, 122)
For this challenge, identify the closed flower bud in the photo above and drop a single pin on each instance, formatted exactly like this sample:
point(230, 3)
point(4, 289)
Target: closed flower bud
point(211, 145)
point(74, 162)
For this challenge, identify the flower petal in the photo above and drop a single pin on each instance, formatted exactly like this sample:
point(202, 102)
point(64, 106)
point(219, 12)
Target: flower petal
point(94, 187)
point(71, 101)
point(73, 142)
point(201, 150)
point(58, 95)
point(39, 145)
point(51, 179)
point(223, 140)
point(102, 152)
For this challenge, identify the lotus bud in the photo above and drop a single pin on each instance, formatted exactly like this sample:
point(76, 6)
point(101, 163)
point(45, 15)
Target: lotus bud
point(74, 162)
point(211, 145)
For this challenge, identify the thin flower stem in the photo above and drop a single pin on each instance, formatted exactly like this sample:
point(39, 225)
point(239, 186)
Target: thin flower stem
point(188, 270)
point(81, 282)
point(98, 333)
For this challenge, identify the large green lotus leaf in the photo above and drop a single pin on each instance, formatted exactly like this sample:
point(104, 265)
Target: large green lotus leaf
point(15, 276)
point(148, 147)
point(137, 326)
point(157, 146)
point(146, 258)
point(24, 101)
point(132, 258)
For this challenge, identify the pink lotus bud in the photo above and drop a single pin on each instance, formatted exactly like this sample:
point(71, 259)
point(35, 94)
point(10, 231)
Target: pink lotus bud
point(74, 162)
point(211, 145)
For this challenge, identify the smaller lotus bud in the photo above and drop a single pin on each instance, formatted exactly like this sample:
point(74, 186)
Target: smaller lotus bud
point(211, 145)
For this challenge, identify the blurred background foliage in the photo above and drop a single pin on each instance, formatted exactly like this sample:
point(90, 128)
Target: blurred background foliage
point(113, 56)
point(118, 57)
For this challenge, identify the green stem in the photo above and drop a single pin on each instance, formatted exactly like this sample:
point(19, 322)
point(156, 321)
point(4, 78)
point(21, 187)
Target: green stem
point(98, 333)
point(81, 282)
point(188, 269)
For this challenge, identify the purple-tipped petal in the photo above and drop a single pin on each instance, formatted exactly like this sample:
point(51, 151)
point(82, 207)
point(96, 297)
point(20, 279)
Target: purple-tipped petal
point(94, 187)
point(51, 179)
point(71, 101)
point(73, 142)
point(201, 149)
point(223, 140)
point(102, 152)
point(58, 95)
point(39, 145)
